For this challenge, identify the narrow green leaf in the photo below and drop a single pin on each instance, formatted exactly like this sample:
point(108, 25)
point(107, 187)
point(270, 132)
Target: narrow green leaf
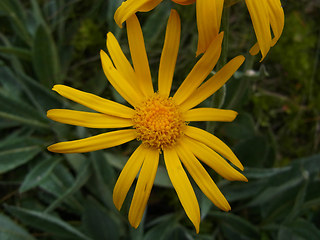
point(46, 223)
point(43, 98)
point(9, 230)
point(240, 191)
point(21, 53)
point(19, 111)
point(300, 198)
point(273, 192)
point(80, 180)
point(10, 159)
point(45, 58)
point(15, 11)
point(305, 229)
point(58, 183)
point(99, 223)
point(162, 229)
point(103, 178)
point(258, 173)
point(38, 173)
point(237, 225)
point(37, 12)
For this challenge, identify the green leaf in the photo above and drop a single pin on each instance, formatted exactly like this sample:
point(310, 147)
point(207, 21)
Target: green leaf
point(162, 229)
point(9, 230)
point(103, 178)
point(242, 190)
point(253, 151)
point(46, 223)
point(305, 229)
point(300, 229)
point(42, 97)
point(99, 223)
point(58, 184)
point(273, 192)
point(241, 128)
point(45, 58)
point(262, 173)
point(12, 157)
point(80, 180)
point(236, 225)
point(15, 11)
point(38, 173)
point(21, 53)
point(19, 111)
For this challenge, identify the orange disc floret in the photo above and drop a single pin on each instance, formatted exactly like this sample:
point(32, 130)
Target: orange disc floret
point(158, 122)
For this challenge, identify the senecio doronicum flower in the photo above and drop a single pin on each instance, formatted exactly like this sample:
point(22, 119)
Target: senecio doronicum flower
point(264, 13)
point(159, 121)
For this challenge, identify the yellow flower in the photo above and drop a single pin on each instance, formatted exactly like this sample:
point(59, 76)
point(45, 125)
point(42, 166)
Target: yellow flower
point(157, 120)
point(264, 13)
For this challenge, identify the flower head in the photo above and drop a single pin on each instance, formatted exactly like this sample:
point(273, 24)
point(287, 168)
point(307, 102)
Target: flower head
point(264, 13)
point(157, 120)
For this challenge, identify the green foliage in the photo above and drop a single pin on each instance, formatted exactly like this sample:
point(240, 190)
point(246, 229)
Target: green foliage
point(276, 134)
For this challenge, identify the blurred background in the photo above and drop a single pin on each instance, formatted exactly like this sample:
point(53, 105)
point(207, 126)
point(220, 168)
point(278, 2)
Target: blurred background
point(276, 134)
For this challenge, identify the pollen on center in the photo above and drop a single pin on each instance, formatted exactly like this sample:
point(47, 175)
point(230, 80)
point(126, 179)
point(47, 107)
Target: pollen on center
point(158, 122)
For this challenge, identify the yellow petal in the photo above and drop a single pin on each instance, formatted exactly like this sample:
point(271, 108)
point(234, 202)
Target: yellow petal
point(148, 6)
point(169, 54)
point(209, 114)
point(143, 188)
point(184, 2)
point(119, 82)
point(208, 22)
point(214, 160)
point(254, 50)
point(127, 9)
point(260, 19)
point(181, 184)
point(101, 141)
point(213, 84)
point(276, 16)
point(120, 61)
point(88, 119)
point(200, 71)
point(139, 55)
point(214, 143)
point(127, 176)
point(94, 102)
point(201, 176)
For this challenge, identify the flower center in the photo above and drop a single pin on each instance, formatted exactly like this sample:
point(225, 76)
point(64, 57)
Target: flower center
point(158, 122)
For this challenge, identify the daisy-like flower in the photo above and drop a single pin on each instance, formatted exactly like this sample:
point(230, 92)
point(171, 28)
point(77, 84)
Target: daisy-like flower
point(264, 13)
point(157, 120)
